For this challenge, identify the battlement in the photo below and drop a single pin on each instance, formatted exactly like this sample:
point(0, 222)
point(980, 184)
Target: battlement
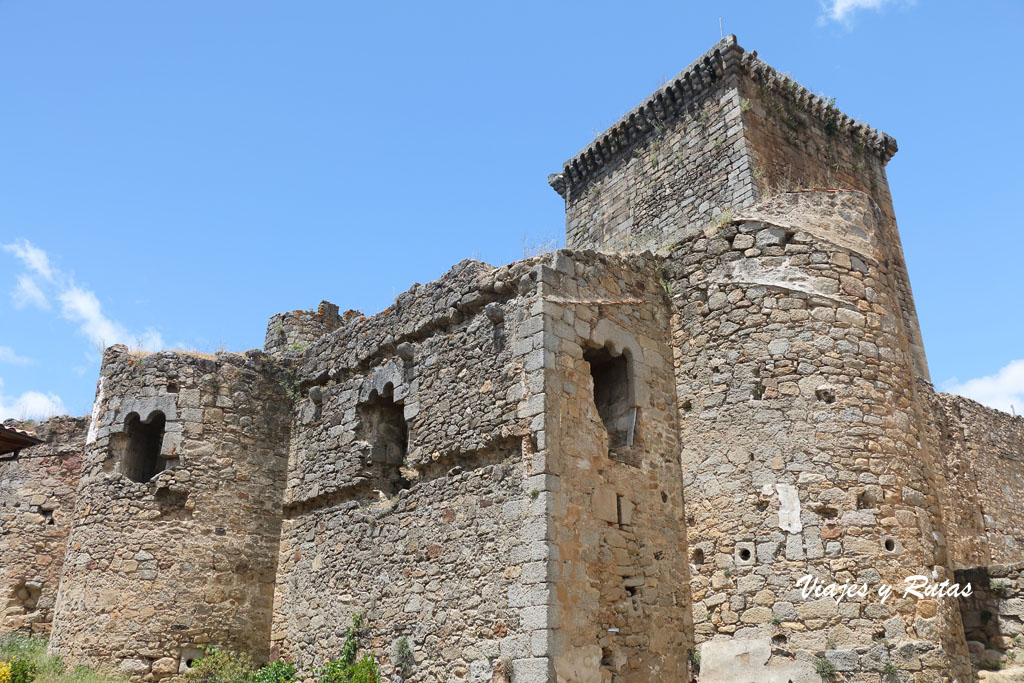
point(683, 94)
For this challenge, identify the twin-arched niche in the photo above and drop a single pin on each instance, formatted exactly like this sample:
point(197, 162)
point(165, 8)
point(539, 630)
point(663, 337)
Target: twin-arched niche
point(137, 449)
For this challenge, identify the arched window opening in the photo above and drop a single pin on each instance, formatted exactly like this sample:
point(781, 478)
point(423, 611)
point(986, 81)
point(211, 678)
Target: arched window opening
point(140, 459)
point(383, 427)
point(612, 395)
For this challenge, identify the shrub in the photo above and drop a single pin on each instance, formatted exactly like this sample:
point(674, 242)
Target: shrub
point(5, 672)
point(275, 672)
point(363, 671)
point(22, 670)
point(825, 669)
point(221, 666)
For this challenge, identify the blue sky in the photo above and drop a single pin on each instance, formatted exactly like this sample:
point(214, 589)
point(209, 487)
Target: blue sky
point(175, 172)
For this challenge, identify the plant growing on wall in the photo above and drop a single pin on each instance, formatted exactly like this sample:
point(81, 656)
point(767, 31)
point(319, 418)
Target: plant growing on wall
point(346, 669)
point(402, 656)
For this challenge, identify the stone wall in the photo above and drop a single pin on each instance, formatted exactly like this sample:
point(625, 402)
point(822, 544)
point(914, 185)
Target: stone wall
point(291, 333)
point(984, 451)
point(158, 567)
point(37, 500)
point(801, 442)
point(993, 615)
point(583, 466)
point(621, 608)
point(411, 496)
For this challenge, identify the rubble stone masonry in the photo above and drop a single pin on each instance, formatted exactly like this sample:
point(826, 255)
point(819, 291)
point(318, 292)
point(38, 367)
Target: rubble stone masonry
point(610, 463)
point(156, 569)
point(37, 501)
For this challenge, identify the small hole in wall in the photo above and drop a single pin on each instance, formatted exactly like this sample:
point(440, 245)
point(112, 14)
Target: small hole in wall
point(788, 237)
point(606, 657)
point(890, 545)
point(828, 512)
point(757, 393)
point(779, 639)
point(189, 662)
point(698, 556)
point(664, 497)
point(687, 405)
point(631, 590)
point(825, 393)
point(47, 517)
point(172, 387)
point(744, 554)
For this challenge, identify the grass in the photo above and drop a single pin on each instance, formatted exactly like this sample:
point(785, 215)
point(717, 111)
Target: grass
point(51, 668)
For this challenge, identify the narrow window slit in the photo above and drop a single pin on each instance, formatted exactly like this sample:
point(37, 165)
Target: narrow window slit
point(612, 396)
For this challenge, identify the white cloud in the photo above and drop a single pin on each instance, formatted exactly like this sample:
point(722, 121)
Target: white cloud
point(7, 355)
point(28, 293)
point(78, 304)
point(1002, 390)
point(33, 257)
point(82, 306)
point(842, 10)
point(30, 405)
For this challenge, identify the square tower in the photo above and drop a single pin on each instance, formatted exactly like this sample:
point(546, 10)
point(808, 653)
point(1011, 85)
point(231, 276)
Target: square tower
point(723, 134)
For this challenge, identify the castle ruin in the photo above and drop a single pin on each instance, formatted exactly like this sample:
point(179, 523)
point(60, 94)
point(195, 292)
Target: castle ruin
point(613, 462)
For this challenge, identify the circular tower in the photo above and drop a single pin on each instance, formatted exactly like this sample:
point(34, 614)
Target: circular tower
point(802, 451)
point(174, 540)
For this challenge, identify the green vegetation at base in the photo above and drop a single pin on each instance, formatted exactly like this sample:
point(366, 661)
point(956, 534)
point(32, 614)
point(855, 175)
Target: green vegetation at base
point(26, 660)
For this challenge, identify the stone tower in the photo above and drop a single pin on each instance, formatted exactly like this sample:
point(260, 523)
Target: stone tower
point(174, 541)
point(725, 132)
point(797, 358)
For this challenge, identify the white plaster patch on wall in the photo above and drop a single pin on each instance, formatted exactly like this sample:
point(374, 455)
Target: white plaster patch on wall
point(94, 420)
point(789, 508)
point(745, 660)
point(784, 276)
point(843, 226)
